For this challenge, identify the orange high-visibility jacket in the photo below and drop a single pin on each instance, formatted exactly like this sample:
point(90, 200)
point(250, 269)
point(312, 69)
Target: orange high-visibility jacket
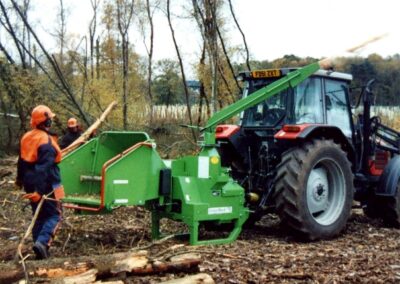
point(37, 163)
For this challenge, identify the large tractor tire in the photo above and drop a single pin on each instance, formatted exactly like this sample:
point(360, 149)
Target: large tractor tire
point(314, 190)
point(389, 190)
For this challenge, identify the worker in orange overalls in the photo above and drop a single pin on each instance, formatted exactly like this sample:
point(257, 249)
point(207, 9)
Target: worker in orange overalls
point(73, 133)
point(39, 174)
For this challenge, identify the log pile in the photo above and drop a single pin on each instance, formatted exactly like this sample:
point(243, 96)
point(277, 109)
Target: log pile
point(88, 269)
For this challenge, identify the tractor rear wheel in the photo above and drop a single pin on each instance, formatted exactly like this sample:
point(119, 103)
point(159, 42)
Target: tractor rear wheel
point(314, 190)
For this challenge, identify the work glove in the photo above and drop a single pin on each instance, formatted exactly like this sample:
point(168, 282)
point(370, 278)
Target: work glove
point(33, 197)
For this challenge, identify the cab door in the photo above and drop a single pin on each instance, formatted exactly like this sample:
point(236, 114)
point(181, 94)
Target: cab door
point(337, 109)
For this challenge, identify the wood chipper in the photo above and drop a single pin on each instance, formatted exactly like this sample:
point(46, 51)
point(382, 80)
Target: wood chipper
point(277, 159)
point(124, 169)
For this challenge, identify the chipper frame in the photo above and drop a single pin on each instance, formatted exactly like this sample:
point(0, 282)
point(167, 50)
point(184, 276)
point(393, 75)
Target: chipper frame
point(124, 169)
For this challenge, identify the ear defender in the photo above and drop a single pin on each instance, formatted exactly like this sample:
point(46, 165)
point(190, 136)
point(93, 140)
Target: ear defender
point(48, 122)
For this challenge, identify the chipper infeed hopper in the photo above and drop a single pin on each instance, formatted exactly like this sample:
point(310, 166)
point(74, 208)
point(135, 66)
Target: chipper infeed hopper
point(123, 168)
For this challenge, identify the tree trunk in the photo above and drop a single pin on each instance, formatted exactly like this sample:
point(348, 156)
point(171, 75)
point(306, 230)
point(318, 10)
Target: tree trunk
point(124, 17)
point(100, 266)
point(150, 59)
point(182, 69)
point(227, 60)
point(11, 31)
point(243, 36)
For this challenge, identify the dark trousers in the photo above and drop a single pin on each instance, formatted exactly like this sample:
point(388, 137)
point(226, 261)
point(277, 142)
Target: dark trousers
point(48, 221)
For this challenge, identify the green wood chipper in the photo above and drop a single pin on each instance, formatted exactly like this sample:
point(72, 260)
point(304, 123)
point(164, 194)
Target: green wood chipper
point(124, 169)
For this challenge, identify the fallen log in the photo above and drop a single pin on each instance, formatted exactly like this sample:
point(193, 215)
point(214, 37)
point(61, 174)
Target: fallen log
point(130, 263)
point(201, 278)
point(86, 135)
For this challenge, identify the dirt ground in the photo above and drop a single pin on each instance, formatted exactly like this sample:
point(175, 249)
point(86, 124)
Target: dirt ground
point(367, 251)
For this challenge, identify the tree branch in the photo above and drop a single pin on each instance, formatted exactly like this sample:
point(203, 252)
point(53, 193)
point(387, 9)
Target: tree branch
point(243, 36)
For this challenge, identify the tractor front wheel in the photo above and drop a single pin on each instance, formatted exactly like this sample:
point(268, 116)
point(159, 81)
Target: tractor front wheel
point(314, 190)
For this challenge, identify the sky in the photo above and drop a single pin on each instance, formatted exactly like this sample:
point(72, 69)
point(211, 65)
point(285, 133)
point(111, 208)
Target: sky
point(316, 28)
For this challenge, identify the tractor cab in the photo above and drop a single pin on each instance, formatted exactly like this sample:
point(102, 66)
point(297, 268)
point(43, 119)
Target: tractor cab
point(320, 99)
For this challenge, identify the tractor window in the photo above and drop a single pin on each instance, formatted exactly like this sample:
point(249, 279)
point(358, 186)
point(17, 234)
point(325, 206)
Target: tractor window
point(336, 106)
point(268, 113)
point(308, 106)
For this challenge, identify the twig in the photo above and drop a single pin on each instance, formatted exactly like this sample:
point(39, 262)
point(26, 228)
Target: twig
point(7, 229)
point(139, 242)
point(27, 234)
point(206, 252)
point(157, 242)
point(169, 249)
point(66, 242)
point(7, 201)
point(2, 214)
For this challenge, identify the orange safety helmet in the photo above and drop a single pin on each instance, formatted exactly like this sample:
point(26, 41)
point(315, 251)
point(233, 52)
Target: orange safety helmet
point(72, 122)
point(40, 114)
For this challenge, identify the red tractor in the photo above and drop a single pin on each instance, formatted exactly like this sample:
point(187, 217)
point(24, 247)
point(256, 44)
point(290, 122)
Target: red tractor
point(305, 155)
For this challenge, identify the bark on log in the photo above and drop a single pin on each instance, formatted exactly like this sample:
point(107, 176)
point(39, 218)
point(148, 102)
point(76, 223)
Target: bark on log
point(87, 277)
point(85, 136)
point(130, 263)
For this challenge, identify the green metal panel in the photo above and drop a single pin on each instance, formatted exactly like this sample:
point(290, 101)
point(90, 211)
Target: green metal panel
point(112, 143)
point(75, 164)
point(134, 178)
point(88, 160)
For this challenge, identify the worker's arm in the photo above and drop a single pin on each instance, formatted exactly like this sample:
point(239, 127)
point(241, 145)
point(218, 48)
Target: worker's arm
point(66, 140)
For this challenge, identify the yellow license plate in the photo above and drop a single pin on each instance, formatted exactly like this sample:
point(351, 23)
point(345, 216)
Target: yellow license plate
point(266, 73)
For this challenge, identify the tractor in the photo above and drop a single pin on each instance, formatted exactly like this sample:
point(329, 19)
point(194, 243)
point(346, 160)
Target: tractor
point(296, 152)
point(305, 155)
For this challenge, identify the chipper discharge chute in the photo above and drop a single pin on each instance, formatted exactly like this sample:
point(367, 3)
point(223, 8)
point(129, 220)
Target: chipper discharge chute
point(123, 169)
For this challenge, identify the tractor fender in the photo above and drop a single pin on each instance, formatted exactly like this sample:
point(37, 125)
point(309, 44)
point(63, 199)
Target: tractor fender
point(389, 178)
point(307, 132)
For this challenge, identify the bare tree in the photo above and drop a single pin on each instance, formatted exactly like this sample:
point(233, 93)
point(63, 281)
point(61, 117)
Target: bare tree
point(66, 88)
point(124, 18)
point(92, 33)
point(243, 36)
point(62, 30)
point(7, 55)
point(150, 57)
point(207, 25)
point(26, 36)
point(98, 58)
point(202, 93)
point(6, 23)
point(185, 87)
point(210, 25)
point(227, 60)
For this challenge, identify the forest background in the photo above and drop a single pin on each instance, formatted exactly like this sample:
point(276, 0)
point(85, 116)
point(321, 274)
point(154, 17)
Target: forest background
point(156, 96)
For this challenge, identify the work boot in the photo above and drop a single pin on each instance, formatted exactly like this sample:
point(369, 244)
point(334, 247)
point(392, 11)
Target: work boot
point(40, 250)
